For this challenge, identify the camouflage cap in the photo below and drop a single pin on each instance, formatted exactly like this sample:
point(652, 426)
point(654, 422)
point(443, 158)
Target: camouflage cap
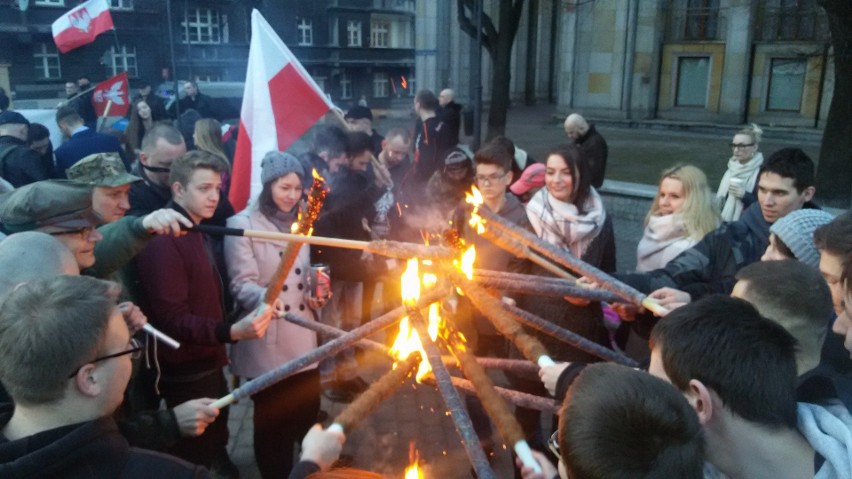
point(101, 169)
point(50, 206)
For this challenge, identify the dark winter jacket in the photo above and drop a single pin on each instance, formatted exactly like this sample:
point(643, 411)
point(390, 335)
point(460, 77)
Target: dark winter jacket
point(19, 164)
point(594, 151)
point(180, 291)
point(82, 144)
point(432, 140)
point(451, 116)
point(202, 103)
point(88, 450)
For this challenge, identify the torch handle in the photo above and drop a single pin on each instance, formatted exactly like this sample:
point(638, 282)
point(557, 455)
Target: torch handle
point(223, 401)
point(544, 361)
point(522, 449)
point(161, 336)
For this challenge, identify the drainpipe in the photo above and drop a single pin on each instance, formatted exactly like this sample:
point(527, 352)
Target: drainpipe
point(629, 52)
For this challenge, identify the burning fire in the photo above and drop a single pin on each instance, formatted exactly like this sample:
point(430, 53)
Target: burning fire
point(413, 471)
point(407, 341)
point(475, 198)
point(316, 175)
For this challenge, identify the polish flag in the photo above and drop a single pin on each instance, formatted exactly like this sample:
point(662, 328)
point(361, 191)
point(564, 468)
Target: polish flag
point(113, 94)
point(280, 103)
point(81, 25)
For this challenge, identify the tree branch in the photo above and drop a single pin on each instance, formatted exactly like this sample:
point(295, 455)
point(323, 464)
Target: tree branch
point(489, 34)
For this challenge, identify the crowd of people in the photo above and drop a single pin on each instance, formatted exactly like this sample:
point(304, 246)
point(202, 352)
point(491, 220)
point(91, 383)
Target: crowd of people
point(749, 370)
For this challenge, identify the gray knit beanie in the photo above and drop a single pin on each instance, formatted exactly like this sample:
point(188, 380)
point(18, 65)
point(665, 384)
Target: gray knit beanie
point(276, 164)
point(796, 230)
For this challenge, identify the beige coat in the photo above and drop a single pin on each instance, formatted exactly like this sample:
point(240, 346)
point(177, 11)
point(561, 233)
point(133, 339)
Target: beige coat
point(251, 264)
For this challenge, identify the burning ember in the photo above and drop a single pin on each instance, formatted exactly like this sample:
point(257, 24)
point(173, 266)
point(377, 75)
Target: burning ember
point(407, 341)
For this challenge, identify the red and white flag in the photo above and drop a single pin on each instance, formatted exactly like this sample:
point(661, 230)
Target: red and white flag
point(81, 25)
point(280, 103)
point(113, 93)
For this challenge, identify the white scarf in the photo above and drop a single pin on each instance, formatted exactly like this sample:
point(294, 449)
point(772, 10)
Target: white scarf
point(665, 237)
point(560, 223)
point(731, 206)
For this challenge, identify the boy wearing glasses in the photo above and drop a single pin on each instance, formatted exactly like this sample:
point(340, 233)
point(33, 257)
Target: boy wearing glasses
point(65, 357)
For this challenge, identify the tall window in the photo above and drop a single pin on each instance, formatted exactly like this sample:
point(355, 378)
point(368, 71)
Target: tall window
point(345, 86)
point(201, 25)
point(46, 62)
point(380, 85)
point(320, 81)
point(379, 32)
point(121, 4)
point(353, 30)
point(791, 20)
point(693, 74)
point(50, 3)
point(122, 60)
point(702, 19)
point(786, 83)
point(306, 32)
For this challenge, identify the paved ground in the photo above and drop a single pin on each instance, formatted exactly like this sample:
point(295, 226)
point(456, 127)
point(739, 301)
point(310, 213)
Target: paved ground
point(416, 413)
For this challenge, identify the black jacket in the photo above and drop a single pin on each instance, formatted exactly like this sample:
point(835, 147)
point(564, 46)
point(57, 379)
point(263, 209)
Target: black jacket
point(451, 116)
point(202, 103)
point(20, 165)
point(92, 449)
point(594, 152)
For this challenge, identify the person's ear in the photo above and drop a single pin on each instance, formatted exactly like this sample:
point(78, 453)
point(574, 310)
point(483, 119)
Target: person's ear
point(87, 381)
point(700, 397)
point(143, 157)
point(509, 175)
point(809, 193)
point(177, 189)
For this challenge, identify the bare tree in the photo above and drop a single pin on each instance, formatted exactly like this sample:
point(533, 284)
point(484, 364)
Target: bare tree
point(834, 174)
point(498, 43)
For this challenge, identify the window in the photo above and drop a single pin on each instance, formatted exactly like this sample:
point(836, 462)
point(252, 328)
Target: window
point(791, 20)
point(306, 32)
point(201, 25)
point(123, 60)
point(345, 86)
point(121, 4)
point(786, 83)
point(46, 62)
point(50, 3)
point(320, 81)
point(693, 74)
point(702, 19)
point(379, 30)
point(353, 30)
point(380, 85)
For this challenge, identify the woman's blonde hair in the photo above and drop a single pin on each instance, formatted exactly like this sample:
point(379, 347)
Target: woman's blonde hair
point(753, 131)
point(699, 212)
point(208, 137)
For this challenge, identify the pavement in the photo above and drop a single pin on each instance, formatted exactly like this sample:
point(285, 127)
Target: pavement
point(415, 414)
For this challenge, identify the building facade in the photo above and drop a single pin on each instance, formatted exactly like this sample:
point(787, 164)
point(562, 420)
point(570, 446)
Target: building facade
point(352, 48)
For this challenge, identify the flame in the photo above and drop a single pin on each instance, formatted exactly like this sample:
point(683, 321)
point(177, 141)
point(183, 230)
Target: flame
point(475, 198)
point(403, 81)
point(467, 260)
point(316, 175)
point(408, 341)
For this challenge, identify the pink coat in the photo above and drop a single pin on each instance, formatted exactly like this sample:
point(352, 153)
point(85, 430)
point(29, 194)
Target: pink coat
point(251, 264)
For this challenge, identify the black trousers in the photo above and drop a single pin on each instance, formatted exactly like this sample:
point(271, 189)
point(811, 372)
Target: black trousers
point(283, 413)
point(213, 443)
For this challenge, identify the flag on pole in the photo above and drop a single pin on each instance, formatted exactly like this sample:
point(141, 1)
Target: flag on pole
point(114, 90)
point(81, 25)
point(280, 103)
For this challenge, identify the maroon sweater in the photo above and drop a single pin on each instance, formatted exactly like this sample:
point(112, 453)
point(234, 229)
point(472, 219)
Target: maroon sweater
point(181, 293)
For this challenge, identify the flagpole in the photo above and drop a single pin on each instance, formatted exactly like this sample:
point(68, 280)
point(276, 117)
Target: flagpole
point(172, 55)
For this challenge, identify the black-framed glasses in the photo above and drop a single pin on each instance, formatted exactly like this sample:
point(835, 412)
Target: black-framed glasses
point(83, 233)
point(734, 146)
point(135, 352)
point(553, 445)
point(156, 169)
point(489, 179)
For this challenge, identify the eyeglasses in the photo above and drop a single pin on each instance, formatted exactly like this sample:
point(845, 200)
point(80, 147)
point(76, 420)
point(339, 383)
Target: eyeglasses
point(156, 169)
point(553, 445)
point(83, 233)
point(135, 352)
point(734, 146)
point(489, 179)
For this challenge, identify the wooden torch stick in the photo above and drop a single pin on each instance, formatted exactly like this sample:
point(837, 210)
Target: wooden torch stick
point(378, 391)
point(493, 404)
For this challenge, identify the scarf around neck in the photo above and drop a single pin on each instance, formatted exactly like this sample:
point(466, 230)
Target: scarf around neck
point(664, 238)
point(732, 207)
point(561, 224)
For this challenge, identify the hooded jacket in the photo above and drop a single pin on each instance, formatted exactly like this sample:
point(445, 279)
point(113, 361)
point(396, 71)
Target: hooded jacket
point(92, 449)
point(828, 429)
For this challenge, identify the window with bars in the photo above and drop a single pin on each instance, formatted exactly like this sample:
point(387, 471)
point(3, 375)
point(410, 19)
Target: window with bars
point(353, 30)
point(121, 4)
point(381, 85)
point(791, 20)
point(345, 86)
point(306, 32)
point(47, 64)
point(122, 60)
point(201, 26)
point(379, 33)
point(702, 19)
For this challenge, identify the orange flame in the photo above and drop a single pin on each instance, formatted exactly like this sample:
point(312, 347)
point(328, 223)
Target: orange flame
point(475, 198)
point(316, 174)
point(403, 81)
point(413, 471)
point(408, 341)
